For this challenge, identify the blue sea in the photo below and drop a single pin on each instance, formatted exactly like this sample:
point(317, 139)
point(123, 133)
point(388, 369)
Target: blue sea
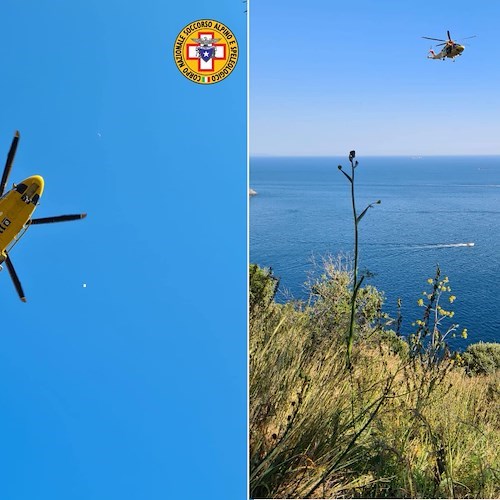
point(431, 209)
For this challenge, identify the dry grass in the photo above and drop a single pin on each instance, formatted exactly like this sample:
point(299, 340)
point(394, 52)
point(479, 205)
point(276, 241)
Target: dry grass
point(388, 428)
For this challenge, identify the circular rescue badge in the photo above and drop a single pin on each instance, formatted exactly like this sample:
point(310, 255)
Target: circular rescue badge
point(206, 51)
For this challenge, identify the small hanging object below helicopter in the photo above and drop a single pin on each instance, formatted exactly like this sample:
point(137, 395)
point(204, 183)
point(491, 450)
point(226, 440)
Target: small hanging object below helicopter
point(451, 48)
point(16, 209)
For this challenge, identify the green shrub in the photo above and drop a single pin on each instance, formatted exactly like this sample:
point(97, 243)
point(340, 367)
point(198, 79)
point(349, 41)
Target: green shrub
point(263, 287)
point(482, 358)
point(396, 343)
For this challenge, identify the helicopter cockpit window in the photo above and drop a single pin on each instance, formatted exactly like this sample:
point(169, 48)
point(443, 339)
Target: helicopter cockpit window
point(35, 199)
point(21, 188)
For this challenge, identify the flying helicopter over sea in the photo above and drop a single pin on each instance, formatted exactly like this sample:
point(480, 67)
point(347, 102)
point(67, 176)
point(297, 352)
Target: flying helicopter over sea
point(16, 210)
point(451, 48)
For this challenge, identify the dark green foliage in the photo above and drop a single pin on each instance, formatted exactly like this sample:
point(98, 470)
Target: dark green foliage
point(263, 287)
point(482, 358)
point(396, 343)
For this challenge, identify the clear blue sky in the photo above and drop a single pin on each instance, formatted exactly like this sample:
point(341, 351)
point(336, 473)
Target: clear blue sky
point(133, 387)
point(327, 77)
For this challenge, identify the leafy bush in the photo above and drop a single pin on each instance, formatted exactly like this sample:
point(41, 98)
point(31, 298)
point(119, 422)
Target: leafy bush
point(263, 287)
point(397, 344)
point(482, 358)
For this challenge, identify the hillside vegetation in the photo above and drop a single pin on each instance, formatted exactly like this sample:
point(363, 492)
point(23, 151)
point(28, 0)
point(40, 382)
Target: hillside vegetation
point(405, 418)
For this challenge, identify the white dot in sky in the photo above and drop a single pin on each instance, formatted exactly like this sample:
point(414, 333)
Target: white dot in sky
point(84, 285)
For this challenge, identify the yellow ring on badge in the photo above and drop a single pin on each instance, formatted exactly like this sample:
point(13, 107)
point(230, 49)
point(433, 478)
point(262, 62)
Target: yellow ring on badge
point(206, 51)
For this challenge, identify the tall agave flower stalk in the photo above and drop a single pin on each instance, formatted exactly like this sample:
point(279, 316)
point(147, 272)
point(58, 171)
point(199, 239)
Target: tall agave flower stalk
point(356, 284)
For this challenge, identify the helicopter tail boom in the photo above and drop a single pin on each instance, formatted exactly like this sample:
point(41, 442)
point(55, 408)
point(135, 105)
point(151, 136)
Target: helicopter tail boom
point(433, 55)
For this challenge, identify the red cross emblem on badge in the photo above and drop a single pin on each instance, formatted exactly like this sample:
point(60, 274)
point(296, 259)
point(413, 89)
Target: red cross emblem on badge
point(206, 49)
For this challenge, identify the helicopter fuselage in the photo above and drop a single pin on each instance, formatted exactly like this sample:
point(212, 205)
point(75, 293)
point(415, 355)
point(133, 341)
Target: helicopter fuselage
point(16, 209)
point(449, 50)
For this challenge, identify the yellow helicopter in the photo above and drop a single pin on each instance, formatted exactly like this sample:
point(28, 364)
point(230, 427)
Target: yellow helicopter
point(451, 48)
point(16, 210)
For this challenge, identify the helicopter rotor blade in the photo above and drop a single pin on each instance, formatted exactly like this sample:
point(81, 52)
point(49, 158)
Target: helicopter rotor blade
point(9, 162)
point(15, 279)
point(58, 218)
point(449, 37)
point(436, 39)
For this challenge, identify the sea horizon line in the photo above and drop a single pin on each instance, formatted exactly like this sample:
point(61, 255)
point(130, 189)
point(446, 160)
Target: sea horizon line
point(468, 155)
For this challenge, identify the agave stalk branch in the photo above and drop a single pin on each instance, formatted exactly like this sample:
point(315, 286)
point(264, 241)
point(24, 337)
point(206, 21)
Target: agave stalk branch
point(356, 284)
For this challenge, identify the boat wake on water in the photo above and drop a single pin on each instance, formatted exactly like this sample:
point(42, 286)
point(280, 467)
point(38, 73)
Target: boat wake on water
point(419, 246)
point(443, 245)
point(395, 250)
